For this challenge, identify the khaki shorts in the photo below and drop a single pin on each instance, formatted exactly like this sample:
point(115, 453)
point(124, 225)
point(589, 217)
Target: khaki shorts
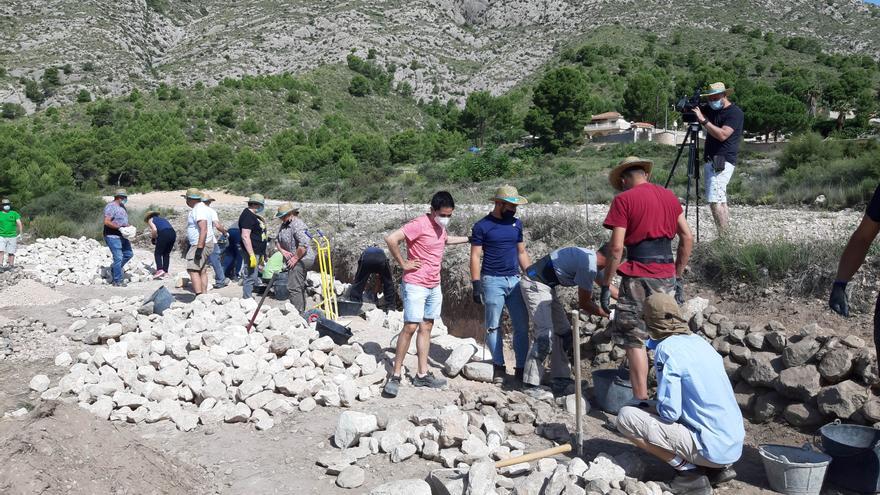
point(191, 266)
point(8, 245)
point(638, 423)
point(628, 329)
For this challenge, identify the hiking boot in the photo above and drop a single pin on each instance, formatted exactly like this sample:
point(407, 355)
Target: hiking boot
point(690, 482)
point(428, 380)
point(220, 285)
point(718, 476)
point(120, 284)
point(392, 386)
point(499, 373)
point(515, 381)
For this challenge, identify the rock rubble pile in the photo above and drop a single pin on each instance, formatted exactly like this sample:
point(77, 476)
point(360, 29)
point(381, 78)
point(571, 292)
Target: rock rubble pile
point(468, 437)
point(197, 364)
point(28, 339)
point(64, 260)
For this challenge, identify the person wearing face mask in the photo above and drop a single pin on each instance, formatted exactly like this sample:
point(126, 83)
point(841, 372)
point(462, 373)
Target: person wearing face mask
point(426, 240)
point(116, 217)
point(723, 123)
point(200, 237)
point(10, 233)
point(498, 253)
point(644, 218)
point(253, 240)
point(567, 267)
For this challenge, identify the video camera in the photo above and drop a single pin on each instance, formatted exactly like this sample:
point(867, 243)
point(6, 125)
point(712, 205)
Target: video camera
point(686, 105)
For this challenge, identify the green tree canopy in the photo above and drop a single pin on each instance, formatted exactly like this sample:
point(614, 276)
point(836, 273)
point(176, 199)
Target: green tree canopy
point(561, 106)
point(487, 116)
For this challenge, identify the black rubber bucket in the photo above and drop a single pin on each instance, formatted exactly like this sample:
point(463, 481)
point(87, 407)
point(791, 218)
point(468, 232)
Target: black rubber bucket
point(339, 333)
point(855, 456)
point(612, 389)
point(349, 308)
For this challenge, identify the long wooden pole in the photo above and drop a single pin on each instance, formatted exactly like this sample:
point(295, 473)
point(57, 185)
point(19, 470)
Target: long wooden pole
point(578, 388)
point(534, 456)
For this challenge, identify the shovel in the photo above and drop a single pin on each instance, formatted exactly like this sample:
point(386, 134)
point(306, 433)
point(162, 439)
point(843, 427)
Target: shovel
point(260, 304)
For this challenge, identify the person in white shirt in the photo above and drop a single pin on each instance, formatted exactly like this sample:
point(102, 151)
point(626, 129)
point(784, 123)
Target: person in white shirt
point(201, 240)
point(220, 279)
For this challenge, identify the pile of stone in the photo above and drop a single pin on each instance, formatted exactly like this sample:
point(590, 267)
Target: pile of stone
point(28, 339)
point(197, 364)
point(83, 261)
point(12, 276)
point(468, 437)
point(806, 378)
point(101, 308)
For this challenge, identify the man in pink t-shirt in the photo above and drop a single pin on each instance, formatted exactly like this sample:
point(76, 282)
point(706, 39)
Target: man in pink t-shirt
point(426, 239)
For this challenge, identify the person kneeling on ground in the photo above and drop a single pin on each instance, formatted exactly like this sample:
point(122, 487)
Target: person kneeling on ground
point(695, 424)
point(426, 240)
point(567, 267)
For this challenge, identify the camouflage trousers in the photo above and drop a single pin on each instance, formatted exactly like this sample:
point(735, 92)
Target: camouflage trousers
point(628, 329)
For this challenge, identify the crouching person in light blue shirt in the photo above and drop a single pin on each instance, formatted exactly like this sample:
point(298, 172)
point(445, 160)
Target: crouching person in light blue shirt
point(695, 424)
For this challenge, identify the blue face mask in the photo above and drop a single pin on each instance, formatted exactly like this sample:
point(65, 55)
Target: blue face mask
point(260, 209)
point(716, 105)
point(124, 200)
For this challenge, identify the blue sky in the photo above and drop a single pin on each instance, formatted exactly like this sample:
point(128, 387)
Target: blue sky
point(875, 2)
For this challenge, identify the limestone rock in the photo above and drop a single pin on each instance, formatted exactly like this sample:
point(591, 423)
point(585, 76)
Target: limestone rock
point(836, 365)
point(803, 415)
point(351, 477)
point(458, 358)
point(403, 452)
point(768, 406)
point(762, 369)
point(479, 371)
point(40, 383)
point(842, 400)
point(403, 487)
point(799, 383)
point(800, 352)
point(449, 481)
point(351, 425)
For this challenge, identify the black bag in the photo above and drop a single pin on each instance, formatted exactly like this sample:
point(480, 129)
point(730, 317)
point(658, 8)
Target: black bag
point(719, 162)
point(279, 286)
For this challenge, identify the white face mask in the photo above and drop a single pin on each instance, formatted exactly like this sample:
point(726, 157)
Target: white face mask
point(443, 221)
point(6, 207)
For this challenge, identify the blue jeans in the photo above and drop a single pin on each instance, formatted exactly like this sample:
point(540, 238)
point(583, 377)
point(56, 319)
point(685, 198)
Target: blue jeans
point(120, 248)
point(214, 260)
point(421, 303)
point(499, 292)
point(251, 278)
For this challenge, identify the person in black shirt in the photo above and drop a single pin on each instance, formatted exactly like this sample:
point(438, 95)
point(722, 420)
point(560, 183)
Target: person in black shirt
point(723, 123)
point(373, 260)
point(253, 241)
point(852, 258)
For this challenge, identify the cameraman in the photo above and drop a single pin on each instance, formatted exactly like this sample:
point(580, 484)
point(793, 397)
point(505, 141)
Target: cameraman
point(723, 122)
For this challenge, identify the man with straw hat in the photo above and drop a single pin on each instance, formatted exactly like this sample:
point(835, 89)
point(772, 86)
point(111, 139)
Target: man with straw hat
point(695, 425)
point(298, 251)
point(253, 240)
point(115, 218)
point(644, 218)
point(723, 123)
point(200, 237)
point(498, 253)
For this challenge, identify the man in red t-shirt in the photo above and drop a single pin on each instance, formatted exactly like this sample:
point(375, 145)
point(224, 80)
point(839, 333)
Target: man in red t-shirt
point(644, 218)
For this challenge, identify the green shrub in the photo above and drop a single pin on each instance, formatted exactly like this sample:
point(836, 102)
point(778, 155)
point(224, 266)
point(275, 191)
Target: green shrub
point(359, 86)
point(13, 111)
point(225, 116)
point(83, 96)
point(250, 126)
point(65, 203)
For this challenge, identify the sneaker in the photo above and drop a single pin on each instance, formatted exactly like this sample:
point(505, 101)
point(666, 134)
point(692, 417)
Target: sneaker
point(499, 374)
point(429, 380)
point(690, 482)
point(120, 284)
point(220, 285)
point(392, 386)
point(159, 274)
point(718, 476)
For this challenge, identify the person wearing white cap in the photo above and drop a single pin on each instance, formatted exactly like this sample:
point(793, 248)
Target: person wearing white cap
point(723, 123)
point(10, 232)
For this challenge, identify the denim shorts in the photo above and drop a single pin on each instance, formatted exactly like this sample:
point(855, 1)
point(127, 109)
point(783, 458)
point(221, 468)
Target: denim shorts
point(420, 303)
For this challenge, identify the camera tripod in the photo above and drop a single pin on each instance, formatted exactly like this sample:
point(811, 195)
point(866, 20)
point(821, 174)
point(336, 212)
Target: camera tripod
point(692, 142)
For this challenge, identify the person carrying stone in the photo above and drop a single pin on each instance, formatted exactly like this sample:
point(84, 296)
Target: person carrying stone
point(253, 239)
point(200, 237)
point(115, 218)
point(426, 240)
point(11, 230)
point(695, 425)
point(220, 280)
point(298, 251)
point(373, 261)
point(551, 331)
point(644, 218)
point(498, 253)
point(163, 237)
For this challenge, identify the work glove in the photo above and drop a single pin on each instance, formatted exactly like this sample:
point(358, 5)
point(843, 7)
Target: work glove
point(838, 301)
point(197, 257)
point(252, 261)
point(679, 291)
point(477, 286)
point(605, 298)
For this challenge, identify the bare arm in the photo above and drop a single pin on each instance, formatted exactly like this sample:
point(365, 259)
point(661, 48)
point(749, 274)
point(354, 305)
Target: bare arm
point(393, 240)
point(476, 256)
point(452, 240)
point(109, 223)
point(586, 304)
point(719, 133)
point(203, 233)
point(525, 260)
point(246, 240)
point(219, 226)
point(685, 246)
point(153, 232)
point(20, 227)
point(615, 255)
point(854, 254)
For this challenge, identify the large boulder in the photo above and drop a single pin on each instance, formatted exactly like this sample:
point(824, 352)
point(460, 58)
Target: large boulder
point(836, 365)
point(842, 400)
point(351, 426)
point(803, 415)
point(799, 383)
point(448, 481)
point(481, 478)
point(458, 358)
point(479, 371)
point(800, 352)
point(762, 369)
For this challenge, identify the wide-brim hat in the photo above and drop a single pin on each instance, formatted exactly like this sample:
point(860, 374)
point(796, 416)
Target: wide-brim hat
point(207, 198)
point(193, 193)
point(285, 208)
point(120, 193)
point(5, 202)
point(509, 194)
point(257, 198)
point(662, 316)
point(150, 214)
point(626, 164)
point(717, 88)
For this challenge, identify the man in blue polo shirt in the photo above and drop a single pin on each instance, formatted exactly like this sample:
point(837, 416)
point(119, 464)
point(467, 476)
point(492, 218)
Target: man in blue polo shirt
point(497, 255)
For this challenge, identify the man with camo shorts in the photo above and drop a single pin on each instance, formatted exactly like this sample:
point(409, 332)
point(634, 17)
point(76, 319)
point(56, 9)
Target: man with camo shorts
point(644, 218)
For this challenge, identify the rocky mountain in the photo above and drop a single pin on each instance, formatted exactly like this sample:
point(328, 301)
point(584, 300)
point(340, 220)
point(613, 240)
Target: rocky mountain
point(441, 47)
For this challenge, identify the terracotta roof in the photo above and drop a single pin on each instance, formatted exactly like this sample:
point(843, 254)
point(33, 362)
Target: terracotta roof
point(642, 124)
point(606, 116)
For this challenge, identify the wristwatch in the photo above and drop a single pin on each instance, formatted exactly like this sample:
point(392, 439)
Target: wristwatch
point(704, 122)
